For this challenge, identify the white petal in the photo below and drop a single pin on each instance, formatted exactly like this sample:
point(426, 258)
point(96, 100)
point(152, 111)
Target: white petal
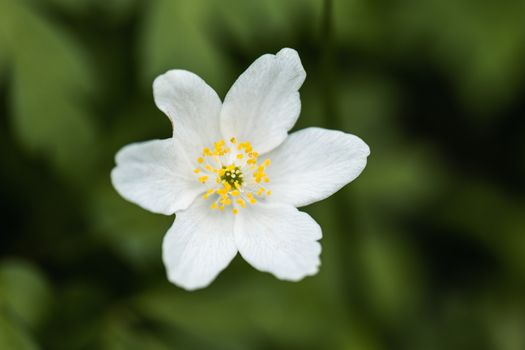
point(192, 106)
point(314, 163)
point(155, 175)
point(278, 238)
point(264, 103)
point(198, 246)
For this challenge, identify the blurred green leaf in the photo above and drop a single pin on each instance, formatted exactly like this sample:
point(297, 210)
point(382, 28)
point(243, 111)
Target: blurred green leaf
point(131, 231)
point(506, 322)
point(368, 105)
point(393, 281)
point(359, 23)
point(480, 45)
point(113, 9)
point(492, 217)
point(119, 333)
point(50, 81)
point(176, 35)
point(4, 45)
point(273, 23)
point(331, 284)
point(192, 35)
point(244, 314)
point(357, 337)
point(13, 336)
point(24, 292)
point(73, 6)
point(82, 307)
point(399, 178)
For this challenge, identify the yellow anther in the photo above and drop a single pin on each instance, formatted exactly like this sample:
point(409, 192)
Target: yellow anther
point(233, 140)
point(206, 152)
point(235, 193)
point(203, 179)
point(268, 193)
point(235, 211)
point(196, 171)
point(239, 156)
point(214, 205)
point(260, 191)
point(218, 150)
point(251, 199)
point(221, 208)
point(200, 160)
point(209, 168)
point(241, 202)
point(266, 162)
point(226, 201)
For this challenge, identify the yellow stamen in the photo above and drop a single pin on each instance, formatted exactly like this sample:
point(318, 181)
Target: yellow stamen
point(208, 193)
point(251, 198)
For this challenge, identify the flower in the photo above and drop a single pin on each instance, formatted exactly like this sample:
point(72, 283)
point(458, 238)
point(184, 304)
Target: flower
point(234, 176)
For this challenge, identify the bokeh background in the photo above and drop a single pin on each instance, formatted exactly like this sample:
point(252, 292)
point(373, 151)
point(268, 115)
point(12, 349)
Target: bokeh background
point(425, 250)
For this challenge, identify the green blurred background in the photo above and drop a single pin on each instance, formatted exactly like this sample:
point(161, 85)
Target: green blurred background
point(425, 250)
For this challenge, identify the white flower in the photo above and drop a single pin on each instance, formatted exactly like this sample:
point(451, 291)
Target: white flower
point(215, 173)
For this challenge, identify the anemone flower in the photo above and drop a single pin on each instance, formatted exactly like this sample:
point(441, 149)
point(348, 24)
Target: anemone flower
point(233, 175)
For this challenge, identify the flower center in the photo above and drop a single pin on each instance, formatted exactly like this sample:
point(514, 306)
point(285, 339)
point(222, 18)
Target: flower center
point(233, 177)
point(238, 175)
